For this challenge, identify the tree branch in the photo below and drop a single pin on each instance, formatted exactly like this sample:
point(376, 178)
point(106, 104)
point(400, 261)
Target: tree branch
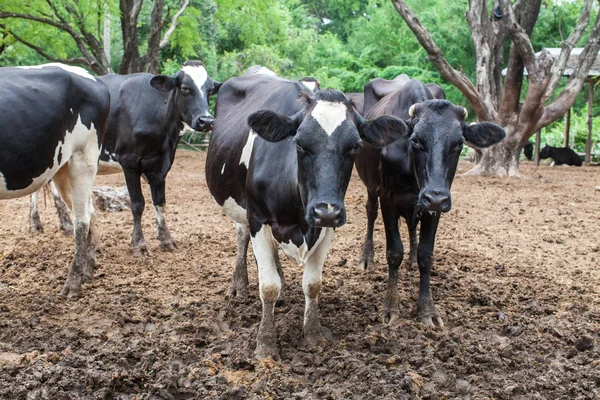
point(457, 78)
point(169, 32)
point(520, 39)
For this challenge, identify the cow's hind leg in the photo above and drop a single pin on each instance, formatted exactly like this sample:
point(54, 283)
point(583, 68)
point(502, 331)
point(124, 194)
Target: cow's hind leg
point(134, 187)
point(269, 285)
point(426, 310)
point(35, 224)
point(414, 244)
point(239, 280)
point(395, 254)
point(311, 284)
point(367, 257)
point(63, 213)
point(159, 201)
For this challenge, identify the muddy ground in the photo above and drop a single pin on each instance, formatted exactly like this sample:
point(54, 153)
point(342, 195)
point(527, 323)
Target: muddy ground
point(517, 279)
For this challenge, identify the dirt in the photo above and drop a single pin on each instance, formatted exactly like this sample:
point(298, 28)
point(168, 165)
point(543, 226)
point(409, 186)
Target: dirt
point(516, 278)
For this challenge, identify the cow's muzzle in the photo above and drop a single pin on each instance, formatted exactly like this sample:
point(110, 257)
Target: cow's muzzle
point(203, 123)
point(436, 201)
point(326, 215)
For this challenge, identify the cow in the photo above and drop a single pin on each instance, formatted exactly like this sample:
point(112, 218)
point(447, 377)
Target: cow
point(358, 99)
point(148, 114)
point(410, 174)
point(561, 156)
point(52, 123)
point(311, 83)
point(279, 163)
point(528, 150)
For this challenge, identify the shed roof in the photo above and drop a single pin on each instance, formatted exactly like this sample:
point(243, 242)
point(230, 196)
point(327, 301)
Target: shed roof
point(571, 62)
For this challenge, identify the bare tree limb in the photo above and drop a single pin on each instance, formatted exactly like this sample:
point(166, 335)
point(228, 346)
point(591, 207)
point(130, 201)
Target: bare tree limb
point(457, 78)
point(169, 32)
point(520, 39)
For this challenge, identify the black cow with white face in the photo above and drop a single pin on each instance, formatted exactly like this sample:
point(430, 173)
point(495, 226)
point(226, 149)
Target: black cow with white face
point(148, 114)
point(52, 122)
point(279, 163)
point(410, 173)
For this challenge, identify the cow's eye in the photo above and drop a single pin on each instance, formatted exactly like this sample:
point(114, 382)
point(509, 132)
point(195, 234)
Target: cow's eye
point(414, 142)
point(355, 147)
point(186, 90)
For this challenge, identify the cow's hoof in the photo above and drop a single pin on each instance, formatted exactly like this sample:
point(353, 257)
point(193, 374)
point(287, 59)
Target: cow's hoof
point(314, 339)
point(168, 246)
point(414, 266)
point(88, 271)
point(390, 316)
point(366, 264)
point(36, 228)
point(428, 314)
point(141, 251)
point(238, 289)
point(67, 229)
point(72, 287)
point(264, 350)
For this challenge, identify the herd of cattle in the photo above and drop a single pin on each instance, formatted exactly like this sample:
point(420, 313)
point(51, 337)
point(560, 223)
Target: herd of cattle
point(279, 163)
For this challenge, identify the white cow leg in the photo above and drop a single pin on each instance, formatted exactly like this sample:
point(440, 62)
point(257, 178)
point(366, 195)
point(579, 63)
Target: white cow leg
point(162, 231)
point(63, 213)
point(35, 224)
point(311, 284)
point(269, 285)
point(239, 280)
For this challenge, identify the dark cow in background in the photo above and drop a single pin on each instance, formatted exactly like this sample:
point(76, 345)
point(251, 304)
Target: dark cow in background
point(528, 150)
point(410, 173)
point(561, 156)
point(52, 122)
point(358, 100)
point(279, 163)
point(147, 116)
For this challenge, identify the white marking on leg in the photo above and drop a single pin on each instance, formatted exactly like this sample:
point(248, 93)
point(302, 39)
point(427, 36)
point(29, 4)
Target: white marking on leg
point(313, 273)
point(198, 74)
point(159, 213)
point(329, 115)
point(223, 169)
point(69, 68)
point(234, 211)
point(247, 151)
point(269, 281)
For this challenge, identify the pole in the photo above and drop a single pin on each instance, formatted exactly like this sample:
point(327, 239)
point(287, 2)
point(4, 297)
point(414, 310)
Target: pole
point(567, 128)
point(538, 137)
point(588, 142)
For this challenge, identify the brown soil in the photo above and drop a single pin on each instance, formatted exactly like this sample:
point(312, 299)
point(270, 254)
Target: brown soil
point(517, 280)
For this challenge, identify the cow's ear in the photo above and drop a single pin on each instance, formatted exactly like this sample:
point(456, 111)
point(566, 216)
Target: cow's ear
point(483, 134)
point(216, 87)
point(384, 130)
point(164, 83)
point(272, 126)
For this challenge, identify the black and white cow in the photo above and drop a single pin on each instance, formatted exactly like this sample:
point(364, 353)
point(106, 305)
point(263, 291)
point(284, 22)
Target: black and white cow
point(561, 156)
point(52, 122)
point(147, 117)
point(278, 164)
point(410, 173)
point(35, 223)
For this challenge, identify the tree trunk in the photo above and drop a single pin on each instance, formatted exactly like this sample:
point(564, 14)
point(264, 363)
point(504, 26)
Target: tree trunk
point(501, 159)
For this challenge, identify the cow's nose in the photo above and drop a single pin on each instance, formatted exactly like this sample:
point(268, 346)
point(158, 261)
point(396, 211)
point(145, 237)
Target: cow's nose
point(328, 215)
point(436, 201)
point(204, 123)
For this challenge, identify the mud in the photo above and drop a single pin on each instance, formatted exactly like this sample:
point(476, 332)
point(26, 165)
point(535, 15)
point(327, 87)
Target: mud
point(516, 278)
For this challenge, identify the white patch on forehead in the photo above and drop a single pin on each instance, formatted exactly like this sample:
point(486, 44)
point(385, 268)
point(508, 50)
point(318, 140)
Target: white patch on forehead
point(234, 211)
point(311, 85)
point(247, 151)
point(70, 68)
point(329, 115)
point(198, 75)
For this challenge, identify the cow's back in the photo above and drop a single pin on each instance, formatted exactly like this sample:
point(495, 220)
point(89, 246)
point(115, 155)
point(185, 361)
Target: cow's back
point(231, 143)
point(48, 112)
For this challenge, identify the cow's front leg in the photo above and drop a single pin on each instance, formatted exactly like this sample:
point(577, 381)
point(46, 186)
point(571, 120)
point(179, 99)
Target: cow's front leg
point(414, 244)
point(162, 232)
point(239, 280)
point(426, 310)
point(367, 257)
point(269, 284)
point(134, 187)
point(311, 284)
point(394, 254)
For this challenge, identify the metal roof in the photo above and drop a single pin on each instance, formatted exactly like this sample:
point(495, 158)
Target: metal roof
point(571, 62)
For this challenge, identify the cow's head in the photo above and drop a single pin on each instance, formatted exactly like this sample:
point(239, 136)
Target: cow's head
point(327, 134)
point(545, 152)
point(192, 87)
point(438, 131)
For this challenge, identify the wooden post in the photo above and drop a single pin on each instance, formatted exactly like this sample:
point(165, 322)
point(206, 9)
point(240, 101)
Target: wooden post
point(588, 143)
point(567, 128)
point(538, 137)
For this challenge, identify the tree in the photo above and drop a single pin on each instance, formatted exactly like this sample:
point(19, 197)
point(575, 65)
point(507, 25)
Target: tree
point(79, 26)
point(501, 102)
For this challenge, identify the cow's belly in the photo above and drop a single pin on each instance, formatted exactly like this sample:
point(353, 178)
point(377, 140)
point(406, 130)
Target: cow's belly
point(74, 141)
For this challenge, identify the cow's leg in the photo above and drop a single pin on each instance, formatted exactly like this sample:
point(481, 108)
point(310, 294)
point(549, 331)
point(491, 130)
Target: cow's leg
point(134, 187)
point(311, 284)
point(269, 285)
point(394, 254)
point(426, 311)
point(366, 259)
point(74, 182)
point(63, 213)
point(414, 243)
point(35, 224)
point(162, 231)
point(239, 280)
